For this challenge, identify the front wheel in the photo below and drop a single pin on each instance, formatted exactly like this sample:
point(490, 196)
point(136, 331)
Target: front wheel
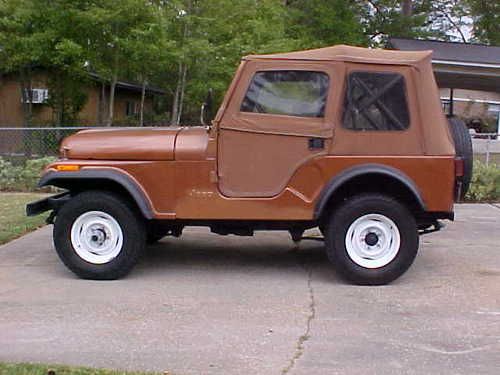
point(98, 235)
point(371, 239)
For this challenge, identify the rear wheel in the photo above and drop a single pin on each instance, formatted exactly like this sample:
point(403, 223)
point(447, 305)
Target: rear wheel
point(371, 239)
point(98, 236)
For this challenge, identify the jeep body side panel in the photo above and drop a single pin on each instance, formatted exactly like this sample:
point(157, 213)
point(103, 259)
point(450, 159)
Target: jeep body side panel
point(298, 201)
point(195, 194)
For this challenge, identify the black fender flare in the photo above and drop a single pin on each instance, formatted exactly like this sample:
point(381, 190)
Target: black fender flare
point(60, 179)
point(347, 175)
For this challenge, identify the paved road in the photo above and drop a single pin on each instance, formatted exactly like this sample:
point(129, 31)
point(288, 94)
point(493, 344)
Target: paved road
point(206, 304)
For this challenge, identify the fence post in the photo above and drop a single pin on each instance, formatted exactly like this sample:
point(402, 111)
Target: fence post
point(488, 150)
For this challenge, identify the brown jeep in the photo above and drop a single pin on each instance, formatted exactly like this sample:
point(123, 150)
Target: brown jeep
point(351, 140)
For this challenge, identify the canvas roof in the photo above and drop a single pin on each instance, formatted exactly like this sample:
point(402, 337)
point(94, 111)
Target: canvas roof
point(349, 53)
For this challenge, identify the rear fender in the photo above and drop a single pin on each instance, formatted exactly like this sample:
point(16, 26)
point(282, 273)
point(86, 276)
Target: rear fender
point(350, 174)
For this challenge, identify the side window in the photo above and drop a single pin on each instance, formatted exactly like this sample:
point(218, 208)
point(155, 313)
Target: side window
point(287, 92)
point(375, 101)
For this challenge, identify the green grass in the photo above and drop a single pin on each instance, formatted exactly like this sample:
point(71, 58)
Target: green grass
point(13, 219)
point(37, 369)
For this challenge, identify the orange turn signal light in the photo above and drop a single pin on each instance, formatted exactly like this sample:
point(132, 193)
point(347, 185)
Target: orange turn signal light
point(67, 167)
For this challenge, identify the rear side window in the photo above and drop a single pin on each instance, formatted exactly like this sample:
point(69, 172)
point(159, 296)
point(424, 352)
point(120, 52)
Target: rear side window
point(287, 92)
point(375, 101)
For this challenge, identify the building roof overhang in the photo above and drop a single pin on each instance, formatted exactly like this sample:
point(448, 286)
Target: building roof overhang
point(130, 86)
point(459, 65)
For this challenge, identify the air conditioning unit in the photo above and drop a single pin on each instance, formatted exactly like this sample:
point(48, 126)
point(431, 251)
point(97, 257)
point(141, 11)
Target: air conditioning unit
point(38, 96)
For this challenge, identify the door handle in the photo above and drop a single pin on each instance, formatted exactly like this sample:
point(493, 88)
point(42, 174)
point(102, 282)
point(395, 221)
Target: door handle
point(316, 143)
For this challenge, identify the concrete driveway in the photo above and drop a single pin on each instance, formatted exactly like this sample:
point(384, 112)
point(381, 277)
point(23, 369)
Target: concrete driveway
point(206, 304)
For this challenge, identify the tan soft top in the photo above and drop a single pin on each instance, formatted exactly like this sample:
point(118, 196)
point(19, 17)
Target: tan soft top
point(352, 54)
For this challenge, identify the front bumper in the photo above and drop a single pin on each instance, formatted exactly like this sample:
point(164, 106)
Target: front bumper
point(51, 203)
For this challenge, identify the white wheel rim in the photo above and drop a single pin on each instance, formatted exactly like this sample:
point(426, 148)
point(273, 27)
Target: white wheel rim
point(96, 237)
point(372, 241)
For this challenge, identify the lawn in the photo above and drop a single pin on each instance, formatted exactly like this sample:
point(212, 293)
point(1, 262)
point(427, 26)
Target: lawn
point(13, 219)
point(36, 369)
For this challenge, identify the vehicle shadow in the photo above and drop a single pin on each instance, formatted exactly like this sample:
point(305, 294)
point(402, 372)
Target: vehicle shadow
point(232, 253)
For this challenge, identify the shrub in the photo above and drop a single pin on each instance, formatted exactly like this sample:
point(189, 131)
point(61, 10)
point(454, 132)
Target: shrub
point(485, 183)
point(23, 177)
point(8, 175)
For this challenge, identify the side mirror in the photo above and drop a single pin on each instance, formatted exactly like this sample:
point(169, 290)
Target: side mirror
point(207, 109)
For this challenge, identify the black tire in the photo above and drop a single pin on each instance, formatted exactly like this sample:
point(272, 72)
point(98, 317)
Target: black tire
point(131, 226)
point(463, 149)
point(357, 207)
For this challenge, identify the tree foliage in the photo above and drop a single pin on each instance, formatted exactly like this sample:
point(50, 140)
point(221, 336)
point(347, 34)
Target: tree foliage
point(36, 34)
point(318, 23)
point(486, 16)
point(187, 46)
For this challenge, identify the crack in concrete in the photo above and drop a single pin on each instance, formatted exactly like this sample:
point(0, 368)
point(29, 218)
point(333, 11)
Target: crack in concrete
point(299, 348)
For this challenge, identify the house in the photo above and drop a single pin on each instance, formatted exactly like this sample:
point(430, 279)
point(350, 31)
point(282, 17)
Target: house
point(468, 76)
point(94, 112)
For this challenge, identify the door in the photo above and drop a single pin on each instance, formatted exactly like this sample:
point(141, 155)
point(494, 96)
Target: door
point(279, 117)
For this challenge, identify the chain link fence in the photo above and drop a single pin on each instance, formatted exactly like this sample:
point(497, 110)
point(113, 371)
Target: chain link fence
point(487, 145)
point(19, 144)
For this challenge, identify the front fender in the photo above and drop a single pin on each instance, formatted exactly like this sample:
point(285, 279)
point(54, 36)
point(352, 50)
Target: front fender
point(71, 179)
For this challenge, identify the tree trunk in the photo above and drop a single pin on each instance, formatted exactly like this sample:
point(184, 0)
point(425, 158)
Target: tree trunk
point(102, 105)
point(26, 96)
point(112, 100)
point(175, 101)
point(181, 80)
point(61, 119)
point(407, 8)
point(143, 96)
point(27, 107)
point(181, 95)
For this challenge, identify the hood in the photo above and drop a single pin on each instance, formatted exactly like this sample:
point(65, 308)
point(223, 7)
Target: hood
point(121, 144)
point(130, 144)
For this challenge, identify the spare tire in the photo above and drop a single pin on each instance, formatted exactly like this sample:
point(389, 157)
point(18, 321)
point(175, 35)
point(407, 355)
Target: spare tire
point(463, 149)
